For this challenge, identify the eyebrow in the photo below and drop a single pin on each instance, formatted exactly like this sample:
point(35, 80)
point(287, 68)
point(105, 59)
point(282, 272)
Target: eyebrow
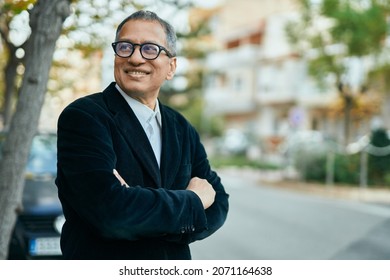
point(144, 42)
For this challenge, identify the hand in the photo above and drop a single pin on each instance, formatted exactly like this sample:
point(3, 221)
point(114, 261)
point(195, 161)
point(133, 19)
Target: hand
point(119, 177)
point(203, 189)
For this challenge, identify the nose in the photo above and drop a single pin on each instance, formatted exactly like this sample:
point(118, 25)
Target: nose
point(136, 57)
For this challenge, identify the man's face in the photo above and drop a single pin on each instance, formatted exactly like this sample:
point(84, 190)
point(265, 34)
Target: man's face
point(137, 76)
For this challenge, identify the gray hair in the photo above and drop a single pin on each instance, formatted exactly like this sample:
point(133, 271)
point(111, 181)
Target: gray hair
point(150, 16)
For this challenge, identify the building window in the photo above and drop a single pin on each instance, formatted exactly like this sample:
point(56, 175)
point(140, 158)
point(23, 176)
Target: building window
point(233, 44)
point(237, 84)
point(255, 38)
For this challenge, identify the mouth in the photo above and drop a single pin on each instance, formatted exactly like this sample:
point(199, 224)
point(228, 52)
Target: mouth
point(136, 73)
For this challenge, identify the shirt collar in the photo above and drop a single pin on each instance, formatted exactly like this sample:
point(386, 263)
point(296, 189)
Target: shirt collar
point(143, 112)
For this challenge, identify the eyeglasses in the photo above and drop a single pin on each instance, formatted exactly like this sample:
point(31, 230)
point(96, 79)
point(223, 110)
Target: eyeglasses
point(148, 51)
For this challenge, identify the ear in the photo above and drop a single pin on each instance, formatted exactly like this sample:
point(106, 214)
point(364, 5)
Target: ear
point(172, 68)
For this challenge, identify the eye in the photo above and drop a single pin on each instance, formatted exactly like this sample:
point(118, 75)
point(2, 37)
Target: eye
point(150, 49)
point(124, 47)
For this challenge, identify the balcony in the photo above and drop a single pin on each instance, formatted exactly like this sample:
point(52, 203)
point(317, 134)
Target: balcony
point(247, 54)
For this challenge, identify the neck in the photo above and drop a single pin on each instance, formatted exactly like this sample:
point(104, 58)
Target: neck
point(147, 101)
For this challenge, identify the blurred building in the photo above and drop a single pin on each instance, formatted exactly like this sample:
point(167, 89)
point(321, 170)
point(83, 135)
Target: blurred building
point(256, 82)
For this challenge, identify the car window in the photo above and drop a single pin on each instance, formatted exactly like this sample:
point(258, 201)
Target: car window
point(41, 169)
point(43, 155)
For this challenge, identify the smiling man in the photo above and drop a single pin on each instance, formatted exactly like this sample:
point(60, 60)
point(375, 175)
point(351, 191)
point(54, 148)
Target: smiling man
point(133, 177)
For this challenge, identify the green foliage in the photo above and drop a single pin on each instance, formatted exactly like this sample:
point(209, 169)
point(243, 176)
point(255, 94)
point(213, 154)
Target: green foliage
point(387, 179)
point(11, 8)
point(346, 168)
point(330, 7)
point(240, 161)
point(361, 30)
point(329, 34)
point(360, 26)
point(310, 165)
point(321, 66)
point(379, 78)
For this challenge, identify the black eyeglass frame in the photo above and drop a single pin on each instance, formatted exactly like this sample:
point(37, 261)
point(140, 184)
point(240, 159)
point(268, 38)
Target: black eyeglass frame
point(160, 48)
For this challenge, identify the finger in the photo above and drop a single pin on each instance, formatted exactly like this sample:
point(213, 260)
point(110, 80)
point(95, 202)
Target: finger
point(119, 177)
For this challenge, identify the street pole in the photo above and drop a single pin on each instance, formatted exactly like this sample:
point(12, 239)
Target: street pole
point(363, 169)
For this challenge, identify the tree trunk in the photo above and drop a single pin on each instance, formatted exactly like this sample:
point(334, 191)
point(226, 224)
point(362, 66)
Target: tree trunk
point(10, 86)
point(348, 105)
point(46, 19)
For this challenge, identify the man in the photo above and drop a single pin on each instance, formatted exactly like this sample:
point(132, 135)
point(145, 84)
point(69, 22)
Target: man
point(133, 177)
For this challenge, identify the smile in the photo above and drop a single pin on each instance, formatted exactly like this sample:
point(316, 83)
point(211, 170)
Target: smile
point(137, 73)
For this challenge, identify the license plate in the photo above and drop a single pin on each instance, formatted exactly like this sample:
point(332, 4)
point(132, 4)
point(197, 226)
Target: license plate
point(47, 246)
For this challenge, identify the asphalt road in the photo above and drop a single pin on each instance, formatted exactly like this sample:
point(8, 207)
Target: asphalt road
point(269, 223)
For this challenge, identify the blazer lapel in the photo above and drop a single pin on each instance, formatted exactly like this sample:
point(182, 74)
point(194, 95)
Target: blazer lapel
point(171, 151)
point(133, 132)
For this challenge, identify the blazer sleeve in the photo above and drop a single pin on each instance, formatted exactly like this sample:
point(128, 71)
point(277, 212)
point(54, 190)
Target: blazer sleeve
point(91, 193)
point(216, 214)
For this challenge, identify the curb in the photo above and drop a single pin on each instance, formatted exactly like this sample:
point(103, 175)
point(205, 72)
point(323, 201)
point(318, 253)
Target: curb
point(275, 179)
point(369, 195)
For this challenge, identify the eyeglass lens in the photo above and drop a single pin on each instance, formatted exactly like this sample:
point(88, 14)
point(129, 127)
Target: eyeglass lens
point(148, 51)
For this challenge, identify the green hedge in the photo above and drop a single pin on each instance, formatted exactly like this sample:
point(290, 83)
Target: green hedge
point(346, 170)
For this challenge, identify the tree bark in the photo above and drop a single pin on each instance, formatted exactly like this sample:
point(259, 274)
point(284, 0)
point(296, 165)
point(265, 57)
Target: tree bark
point(10, 86)
point(46, 19)
point(348, 105)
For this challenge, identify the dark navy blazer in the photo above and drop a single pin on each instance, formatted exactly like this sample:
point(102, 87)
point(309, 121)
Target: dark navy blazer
point(156, 218)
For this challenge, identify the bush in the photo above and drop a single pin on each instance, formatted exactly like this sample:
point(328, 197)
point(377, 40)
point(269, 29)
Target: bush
point(313, 168)
point(240, 161)
point(346, 170)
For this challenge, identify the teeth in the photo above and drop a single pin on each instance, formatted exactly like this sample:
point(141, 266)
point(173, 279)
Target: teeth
point(136, 73)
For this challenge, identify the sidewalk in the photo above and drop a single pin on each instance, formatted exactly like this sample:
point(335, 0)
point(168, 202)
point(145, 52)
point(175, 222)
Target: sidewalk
point(275, 179)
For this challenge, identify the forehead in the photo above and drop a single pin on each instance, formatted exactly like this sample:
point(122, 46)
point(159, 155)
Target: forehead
point(139, 31)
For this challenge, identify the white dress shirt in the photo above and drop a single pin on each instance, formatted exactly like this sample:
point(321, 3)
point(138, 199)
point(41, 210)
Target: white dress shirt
point(150, 121)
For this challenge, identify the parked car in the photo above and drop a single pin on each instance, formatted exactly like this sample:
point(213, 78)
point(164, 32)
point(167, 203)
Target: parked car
point(233, 142)
point(38, 227)
point(302, 145)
